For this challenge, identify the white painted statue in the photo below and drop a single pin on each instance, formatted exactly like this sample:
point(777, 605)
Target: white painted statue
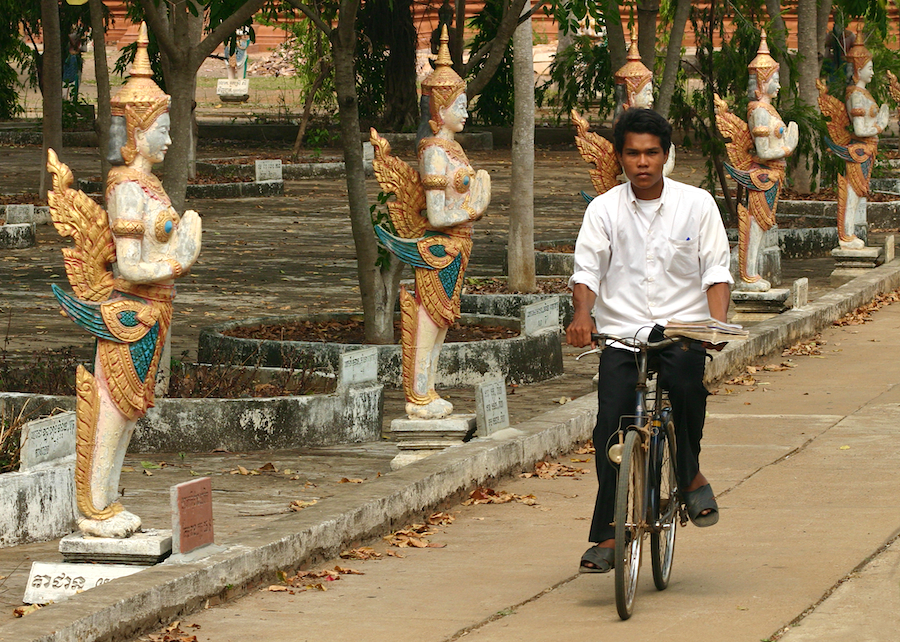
point(123, 269)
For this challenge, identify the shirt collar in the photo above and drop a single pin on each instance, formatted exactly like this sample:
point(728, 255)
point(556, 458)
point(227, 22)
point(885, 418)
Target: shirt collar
point(662, 197)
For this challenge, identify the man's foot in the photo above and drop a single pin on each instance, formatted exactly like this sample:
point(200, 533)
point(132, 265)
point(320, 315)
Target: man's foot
point(599, 558)
point(701, 502)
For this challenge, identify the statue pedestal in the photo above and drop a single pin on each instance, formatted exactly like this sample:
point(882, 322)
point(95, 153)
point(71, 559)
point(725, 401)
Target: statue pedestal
point(419, 438)
point(773, 301)
point(142, 549)
point(851, 263)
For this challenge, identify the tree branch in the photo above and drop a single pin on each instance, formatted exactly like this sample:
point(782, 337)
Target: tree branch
point(160, 29)
point(310, 13)
point(218, 35)
point(498, 48)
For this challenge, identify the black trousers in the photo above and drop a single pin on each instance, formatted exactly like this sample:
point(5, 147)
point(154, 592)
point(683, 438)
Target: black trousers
point(680, 371)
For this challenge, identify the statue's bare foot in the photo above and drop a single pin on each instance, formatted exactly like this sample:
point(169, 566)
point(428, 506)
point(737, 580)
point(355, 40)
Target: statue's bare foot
point(120, 525)
point(855, 243)
point(436, 409)
point(756, 286)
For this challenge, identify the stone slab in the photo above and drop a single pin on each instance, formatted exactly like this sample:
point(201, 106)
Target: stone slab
point(889, 248)
point(19, 213)
point(453, 424)
point(48, 439)
point(800, 293)
point(268, 170)
point(774, 300)
point(491, 410)
point(359, 366)
point(867, 257)
point(141, 549)
point(236, 90)
point(16, 236)
point(37, 505)
point(192, 515)
point(542, 315)
point(57, 581)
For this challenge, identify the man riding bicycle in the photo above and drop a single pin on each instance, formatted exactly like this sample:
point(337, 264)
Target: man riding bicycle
point(649, 250)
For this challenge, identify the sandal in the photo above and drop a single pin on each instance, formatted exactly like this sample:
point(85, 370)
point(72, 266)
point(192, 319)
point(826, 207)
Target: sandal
point(602, 559)
point(701, 500)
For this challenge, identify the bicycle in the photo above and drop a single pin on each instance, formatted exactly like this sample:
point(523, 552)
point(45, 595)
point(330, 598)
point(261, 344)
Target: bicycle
point(648, 500)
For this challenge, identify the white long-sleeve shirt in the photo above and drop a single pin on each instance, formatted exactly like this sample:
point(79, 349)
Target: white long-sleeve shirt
point(647, 267)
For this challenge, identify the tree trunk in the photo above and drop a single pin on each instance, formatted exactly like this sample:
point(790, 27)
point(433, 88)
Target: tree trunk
point(520, 249)
point(401, 101)
point(673, 57)
point(648, 11)
point(324, 70)
point(778, 35)
point(822, 28)
point(615, 35)
point(101, 71)
point(377, 293)
point(458, 66)
point(808, 72)
point(51, 87)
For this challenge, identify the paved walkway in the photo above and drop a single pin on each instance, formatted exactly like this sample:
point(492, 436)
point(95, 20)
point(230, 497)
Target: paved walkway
point(250, 266)
point(805, 464)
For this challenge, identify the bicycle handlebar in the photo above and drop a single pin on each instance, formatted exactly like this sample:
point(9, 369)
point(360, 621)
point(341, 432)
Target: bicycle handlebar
point(632, 342)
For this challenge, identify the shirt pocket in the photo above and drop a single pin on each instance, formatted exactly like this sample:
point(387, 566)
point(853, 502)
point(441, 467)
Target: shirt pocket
point(683, 258)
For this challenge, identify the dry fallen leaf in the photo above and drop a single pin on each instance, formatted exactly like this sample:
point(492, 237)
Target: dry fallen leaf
point(344, 480)
point(587, 449)
point(490, 496)
point(549, 470)
point(361, 553)
point(299, 504)
point(395, 554)
point(440, 519)
point(268, 468)
point(22, 611)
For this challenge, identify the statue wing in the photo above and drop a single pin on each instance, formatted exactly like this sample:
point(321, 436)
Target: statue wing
point(77, 215)
point(120, 320)
point(738, 143)
point(432, 252)
point(837, 120)
point(893, 86)
point(396, 177)
point(598, 151)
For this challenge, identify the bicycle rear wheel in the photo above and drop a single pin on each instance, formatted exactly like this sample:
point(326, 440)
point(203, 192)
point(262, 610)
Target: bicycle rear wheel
point(630, 522)
point(662, 538)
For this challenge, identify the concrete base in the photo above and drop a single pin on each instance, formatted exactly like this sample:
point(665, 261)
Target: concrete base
point(774, 300)
point(37, 505)
point(420, 438)
point(141, 549)
point(865, 258)
point(16, 236)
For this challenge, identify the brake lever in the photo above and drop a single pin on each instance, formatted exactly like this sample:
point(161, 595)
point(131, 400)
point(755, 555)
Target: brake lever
point(598, 349)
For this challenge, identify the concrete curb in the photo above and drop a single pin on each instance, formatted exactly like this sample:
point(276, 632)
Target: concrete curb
point(140, 602)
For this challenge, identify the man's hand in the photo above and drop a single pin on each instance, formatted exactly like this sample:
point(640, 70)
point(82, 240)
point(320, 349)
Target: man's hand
point(578, 334)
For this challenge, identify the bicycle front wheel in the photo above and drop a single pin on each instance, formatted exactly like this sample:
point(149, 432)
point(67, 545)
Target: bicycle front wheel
point(630, 522)
point(662, 538)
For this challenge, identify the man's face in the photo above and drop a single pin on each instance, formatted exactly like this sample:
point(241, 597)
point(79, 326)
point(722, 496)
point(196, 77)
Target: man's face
point(642, 160)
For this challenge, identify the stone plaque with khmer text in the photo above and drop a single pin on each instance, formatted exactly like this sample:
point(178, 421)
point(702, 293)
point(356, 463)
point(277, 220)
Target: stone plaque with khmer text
point(192, 515)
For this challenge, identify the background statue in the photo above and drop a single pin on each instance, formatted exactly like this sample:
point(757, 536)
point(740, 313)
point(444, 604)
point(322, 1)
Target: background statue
point(452, 196)
point(856, 148)
point(122, 270)
point(757, 150)
point(236, 59)
point(634, 88)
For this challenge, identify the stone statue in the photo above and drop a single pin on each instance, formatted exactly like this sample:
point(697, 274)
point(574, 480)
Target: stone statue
point(634, 88)
point(757, 150)
point(432, 216)
point(122, 269)
point(236, 60)
point(857, 147)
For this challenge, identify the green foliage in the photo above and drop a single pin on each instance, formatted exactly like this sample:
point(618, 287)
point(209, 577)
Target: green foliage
point(495, 103)
point(380, 216)
point(581, 76)
point(371, 61)
point(310, 51)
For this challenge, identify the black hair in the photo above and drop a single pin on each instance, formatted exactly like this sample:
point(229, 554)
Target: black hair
point(641, 121)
